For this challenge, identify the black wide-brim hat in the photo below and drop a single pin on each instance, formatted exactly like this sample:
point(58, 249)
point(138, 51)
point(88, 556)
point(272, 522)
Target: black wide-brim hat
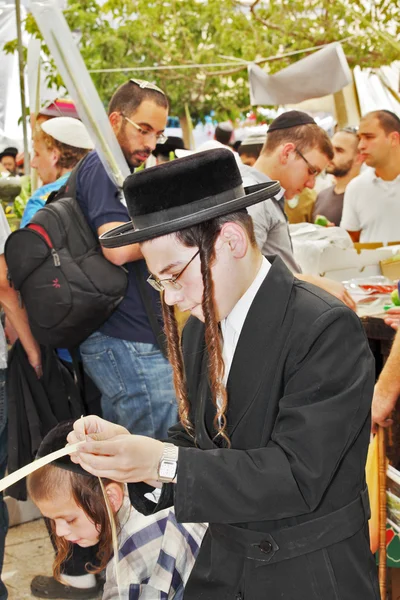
point(182, 193)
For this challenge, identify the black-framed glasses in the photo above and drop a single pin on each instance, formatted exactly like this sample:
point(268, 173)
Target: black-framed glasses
point(172, 283)
point(161, 138)
point(313, 171)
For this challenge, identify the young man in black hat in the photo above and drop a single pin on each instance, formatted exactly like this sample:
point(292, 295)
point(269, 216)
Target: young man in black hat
point(296, 151)
point(274, 425)
point(8, 160)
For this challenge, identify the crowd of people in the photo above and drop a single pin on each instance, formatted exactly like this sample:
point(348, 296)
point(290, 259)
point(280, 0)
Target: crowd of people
point(234, 462)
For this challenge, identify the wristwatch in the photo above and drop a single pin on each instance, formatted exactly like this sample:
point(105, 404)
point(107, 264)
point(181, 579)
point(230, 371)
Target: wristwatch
point(168, 464)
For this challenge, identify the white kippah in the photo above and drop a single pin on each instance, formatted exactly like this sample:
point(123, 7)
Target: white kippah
point(68, 131)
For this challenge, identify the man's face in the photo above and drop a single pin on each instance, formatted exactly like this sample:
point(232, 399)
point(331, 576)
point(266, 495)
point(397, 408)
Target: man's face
point(8, 163)
point(345, 149)
point(45, 161)
point(299, 173)
point(248, 159)
point(138, 145)
point(166, 257)
point(374, 146)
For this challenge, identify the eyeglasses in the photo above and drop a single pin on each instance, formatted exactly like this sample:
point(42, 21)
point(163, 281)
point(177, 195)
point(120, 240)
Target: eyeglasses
point(349, 129)
point(163, 284)
point(313, 171)
point(160, 137)
point(147, 85)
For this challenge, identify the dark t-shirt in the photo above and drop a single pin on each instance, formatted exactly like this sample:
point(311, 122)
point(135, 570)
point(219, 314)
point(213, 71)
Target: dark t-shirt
point(99, 200)
point(329, 204)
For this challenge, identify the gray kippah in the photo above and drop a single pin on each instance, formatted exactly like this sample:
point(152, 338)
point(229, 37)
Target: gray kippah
point(253, 139)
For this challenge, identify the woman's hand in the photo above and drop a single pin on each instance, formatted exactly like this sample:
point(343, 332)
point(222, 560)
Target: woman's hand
point(95, 428)
point(122, 457)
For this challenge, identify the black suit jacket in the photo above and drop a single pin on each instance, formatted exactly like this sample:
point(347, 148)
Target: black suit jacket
point(300, 389)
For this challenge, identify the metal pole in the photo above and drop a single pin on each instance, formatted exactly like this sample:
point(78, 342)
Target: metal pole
point(22, 85)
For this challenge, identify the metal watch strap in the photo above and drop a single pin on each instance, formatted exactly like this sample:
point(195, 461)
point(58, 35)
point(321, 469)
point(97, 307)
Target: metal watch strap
point(169, 457)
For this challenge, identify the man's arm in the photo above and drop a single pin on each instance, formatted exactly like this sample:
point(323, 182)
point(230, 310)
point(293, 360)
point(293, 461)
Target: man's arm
point(387, 388)
point(350, 217)
point(123, 254)
point(18, 318)
point(335, 288)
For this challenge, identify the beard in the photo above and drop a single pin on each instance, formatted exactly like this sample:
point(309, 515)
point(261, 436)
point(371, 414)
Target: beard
point(341, 171)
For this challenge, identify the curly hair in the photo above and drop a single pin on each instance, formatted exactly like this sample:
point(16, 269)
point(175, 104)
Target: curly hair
point(69, 155)
point(204, 236)
point(47, 482)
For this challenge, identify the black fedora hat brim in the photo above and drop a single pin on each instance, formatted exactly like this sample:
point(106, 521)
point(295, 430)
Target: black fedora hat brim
point(124, 235)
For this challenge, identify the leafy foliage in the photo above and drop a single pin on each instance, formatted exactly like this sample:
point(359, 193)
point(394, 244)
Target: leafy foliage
point(148, 33)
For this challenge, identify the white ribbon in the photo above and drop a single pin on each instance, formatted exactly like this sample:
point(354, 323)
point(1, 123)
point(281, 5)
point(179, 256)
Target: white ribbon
point(37, 464)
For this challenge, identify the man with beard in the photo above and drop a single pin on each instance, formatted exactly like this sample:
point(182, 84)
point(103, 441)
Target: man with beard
point(344, 167)
point(123, 357)
point(371, 208)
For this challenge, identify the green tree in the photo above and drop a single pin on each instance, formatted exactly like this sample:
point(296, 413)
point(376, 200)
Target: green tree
point(148, 33)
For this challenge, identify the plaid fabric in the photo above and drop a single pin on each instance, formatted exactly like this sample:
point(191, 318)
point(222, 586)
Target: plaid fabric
point(156, 555)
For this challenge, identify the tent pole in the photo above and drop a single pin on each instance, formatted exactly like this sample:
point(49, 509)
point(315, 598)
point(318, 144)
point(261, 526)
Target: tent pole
point(22, 85)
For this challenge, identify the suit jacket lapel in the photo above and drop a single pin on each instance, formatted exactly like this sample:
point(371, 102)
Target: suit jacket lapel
point(255, 352)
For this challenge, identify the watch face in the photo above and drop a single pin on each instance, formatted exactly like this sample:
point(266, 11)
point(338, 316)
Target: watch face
point(167, 469)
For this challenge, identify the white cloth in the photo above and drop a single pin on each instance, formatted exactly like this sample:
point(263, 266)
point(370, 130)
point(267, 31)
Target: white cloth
point(372, 206)
point(232, 325)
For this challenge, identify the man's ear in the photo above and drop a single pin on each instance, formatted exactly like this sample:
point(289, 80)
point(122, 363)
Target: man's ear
point(115, 495)
point(115, 119)
point(235, 236)
point(285, 152)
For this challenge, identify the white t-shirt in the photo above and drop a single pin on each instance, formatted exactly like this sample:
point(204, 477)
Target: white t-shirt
point(372, 206)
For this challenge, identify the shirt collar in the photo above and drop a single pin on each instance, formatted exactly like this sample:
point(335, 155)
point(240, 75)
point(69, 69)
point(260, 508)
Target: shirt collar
point(238, 314)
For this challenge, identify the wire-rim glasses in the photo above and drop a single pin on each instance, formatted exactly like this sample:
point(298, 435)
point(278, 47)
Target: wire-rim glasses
point(161, 138)
point(172, 283)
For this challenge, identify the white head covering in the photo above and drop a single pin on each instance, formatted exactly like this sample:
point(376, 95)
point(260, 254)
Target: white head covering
point(68, 131)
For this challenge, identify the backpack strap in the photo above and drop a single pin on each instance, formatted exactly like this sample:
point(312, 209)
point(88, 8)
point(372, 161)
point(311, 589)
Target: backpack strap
point(148, 305)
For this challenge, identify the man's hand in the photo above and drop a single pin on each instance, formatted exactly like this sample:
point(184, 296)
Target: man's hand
point(383, 404)
point(392, 317)
point(335, 288)
point(35, 358)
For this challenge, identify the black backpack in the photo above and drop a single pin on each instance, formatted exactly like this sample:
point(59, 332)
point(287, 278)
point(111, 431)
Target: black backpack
point(67, 286)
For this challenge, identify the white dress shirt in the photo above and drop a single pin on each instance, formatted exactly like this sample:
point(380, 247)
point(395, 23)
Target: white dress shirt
point(232, 325)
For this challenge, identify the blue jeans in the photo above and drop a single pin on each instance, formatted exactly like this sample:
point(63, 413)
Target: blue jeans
point(135, 381)
point(3, 466)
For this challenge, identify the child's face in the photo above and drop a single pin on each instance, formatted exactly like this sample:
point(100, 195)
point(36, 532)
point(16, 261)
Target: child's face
point(71, 522)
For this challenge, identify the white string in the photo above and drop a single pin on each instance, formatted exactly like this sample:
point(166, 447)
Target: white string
point(114, 535)
point(243, 63)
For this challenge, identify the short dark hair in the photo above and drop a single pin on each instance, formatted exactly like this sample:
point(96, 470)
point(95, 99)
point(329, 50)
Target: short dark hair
point(222, 135)
point(129, 96)
point(388, 120)
point(305, 137)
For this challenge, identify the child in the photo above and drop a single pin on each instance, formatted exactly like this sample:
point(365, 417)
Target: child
point(156, 554)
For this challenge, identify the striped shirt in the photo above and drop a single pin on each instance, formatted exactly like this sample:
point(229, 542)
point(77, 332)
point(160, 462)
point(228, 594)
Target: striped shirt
point(156, 555)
